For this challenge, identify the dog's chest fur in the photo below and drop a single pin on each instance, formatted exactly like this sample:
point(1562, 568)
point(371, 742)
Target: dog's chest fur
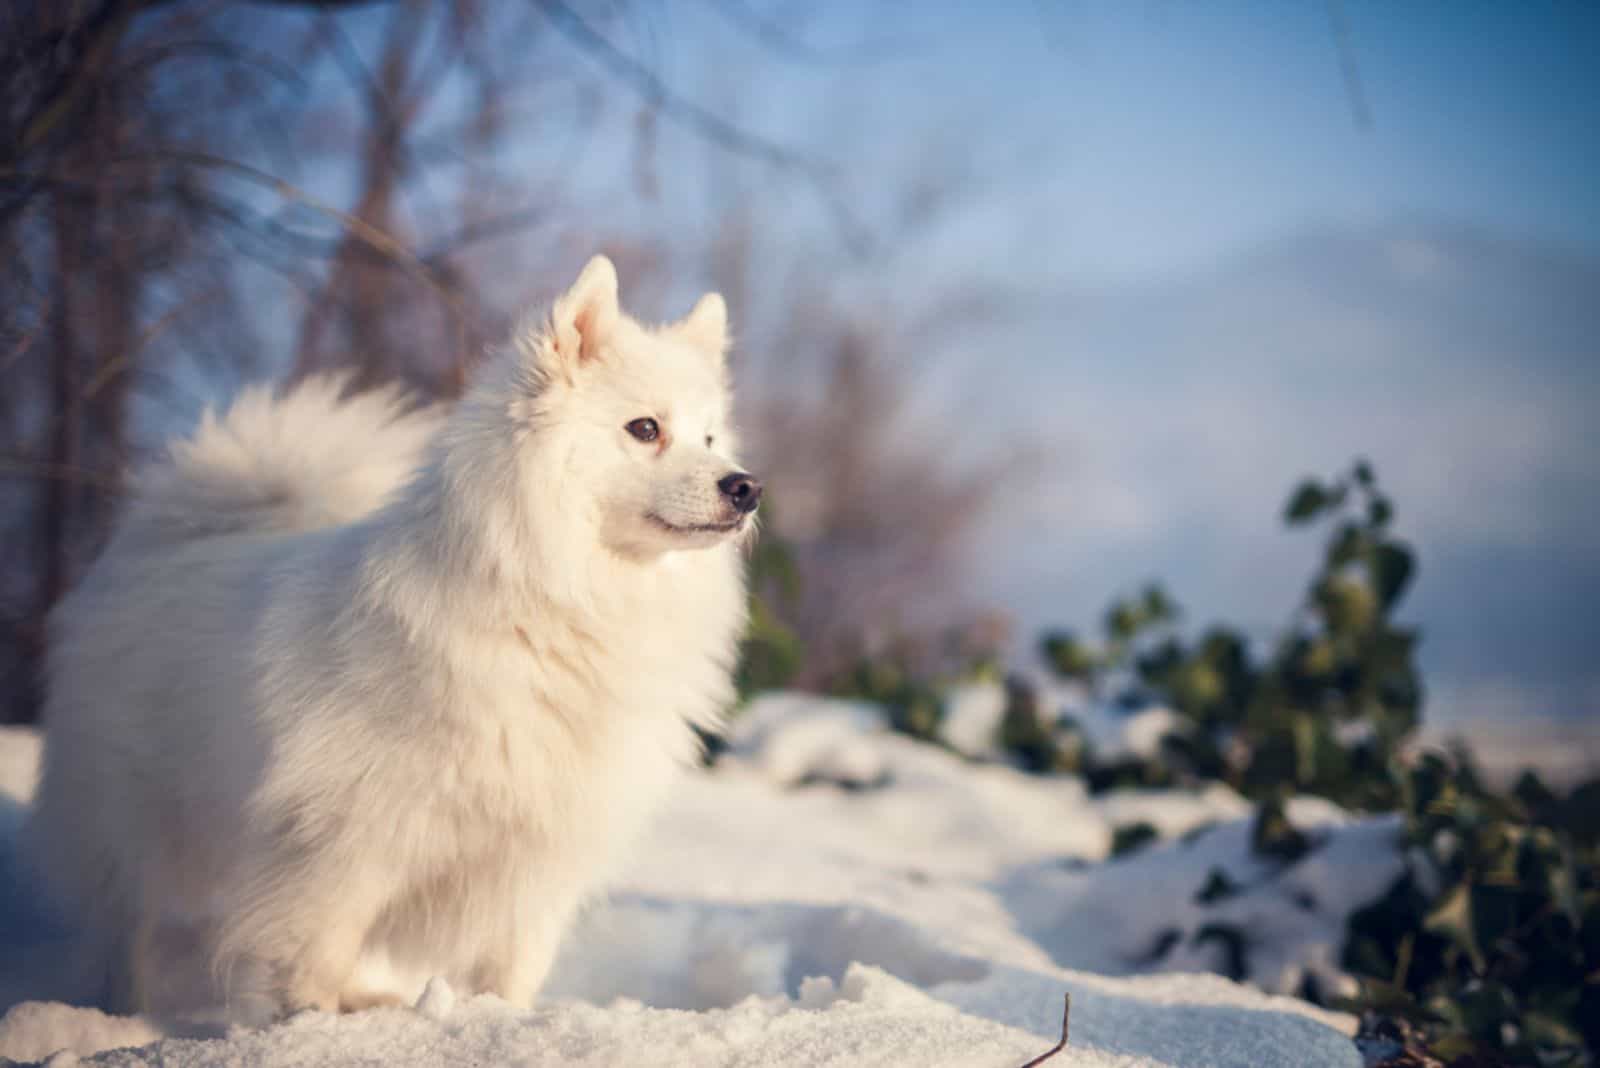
point(540, 747)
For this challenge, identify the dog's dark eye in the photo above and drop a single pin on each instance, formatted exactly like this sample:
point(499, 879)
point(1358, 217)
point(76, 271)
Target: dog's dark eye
point(644, 429)
point(708, 441)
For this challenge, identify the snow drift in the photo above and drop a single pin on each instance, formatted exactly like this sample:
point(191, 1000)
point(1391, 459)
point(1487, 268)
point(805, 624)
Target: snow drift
point(835, 894)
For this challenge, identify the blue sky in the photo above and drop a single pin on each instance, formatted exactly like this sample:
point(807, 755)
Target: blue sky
point(1148, 136)
point(1169, 134)
point(1232, 283)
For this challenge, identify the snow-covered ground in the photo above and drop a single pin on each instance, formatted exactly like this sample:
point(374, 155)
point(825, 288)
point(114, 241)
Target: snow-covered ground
point(834, 894)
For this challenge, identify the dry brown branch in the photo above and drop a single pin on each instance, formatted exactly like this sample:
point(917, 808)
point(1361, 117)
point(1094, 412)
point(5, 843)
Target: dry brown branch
point(646, 83)
point(1349, 68)
point(119, 362)
point(374, 237)
point(26, 467)
point(779, 41)
point(1066, 1016)
point(20, 348)
point(93, 39)
point(133, 222)
point(710, 126)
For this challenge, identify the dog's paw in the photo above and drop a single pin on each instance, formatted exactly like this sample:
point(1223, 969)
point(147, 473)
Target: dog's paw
point(362, 1000)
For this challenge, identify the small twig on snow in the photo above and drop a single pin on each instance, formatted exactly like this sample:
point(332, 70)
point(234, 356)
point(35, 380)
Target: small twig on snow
point(1066, 1015)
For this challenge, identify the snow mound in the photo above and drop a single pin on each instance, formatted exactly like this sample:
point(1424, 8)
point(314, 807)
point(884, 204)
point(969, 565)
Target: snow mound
point(836, 894)
point(1209, 903)
point(35, 1030)
point(870, 1018)
point(797, 740)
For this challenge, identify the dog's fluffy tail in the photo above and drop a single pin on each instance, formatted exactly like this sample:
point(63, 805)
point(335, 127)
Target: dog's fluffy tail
point(308, 457)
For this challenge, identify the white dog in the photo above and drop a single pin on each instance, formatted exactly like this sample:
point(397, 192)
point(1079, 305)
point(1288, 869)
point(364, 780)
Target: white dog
point(359, 695)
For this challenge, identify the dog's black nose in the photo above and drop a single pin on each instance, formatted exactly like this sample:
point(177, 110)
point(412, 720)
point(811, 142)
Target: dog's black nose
point(743, 491)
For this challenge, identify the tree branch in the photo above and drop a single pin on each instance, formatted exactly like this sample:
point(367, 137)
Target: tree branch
point(705, 123)
point(1348, 67)
point(780, 42)
point(675, 106)
point(1066, 1017)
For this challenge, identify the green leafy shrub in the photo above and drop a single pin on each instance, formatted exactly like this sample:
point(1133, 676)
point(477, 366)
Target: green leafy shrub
point(1030, 734)
point(1487, 949)
point(911, 678)
point(770, 654)
point(914, 704)
point(1324, 711)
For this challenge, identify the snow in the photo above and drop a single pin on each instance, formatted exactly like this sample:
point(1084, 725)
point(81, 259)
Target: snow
point(19, 774)
point(836, 894)
point(972, 714)
point(1292, 918)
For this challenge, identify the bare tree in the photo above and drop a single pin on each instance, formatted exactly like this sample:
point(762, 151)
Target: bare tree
point(186, 185)
point(158, 162)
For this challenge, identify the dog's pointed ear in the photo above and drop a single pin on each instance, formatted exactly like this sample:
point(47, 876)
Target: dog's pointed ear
point(706, 326)
point(584, 318)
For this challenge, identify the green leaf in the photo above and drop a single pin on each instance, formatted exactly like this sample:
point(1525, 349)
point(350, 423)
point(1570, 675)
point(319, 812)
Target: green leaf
point(1347, 606)
point(1218, 887)
point(1550, 1032)
point(917, 715)
point(1024, 734)
point(1123, 621)
point(1494, 914)
point(1587, 1014)
point(1274, 836)
point(1536, 797)
point(770, 654)
point(1391, 565)
point(1388, 999)
point(1160, 946)
point(1304, 731)
point(1132, 836)
point(1157, 606)
point(1484, 1008)
point(1308, 501)
point(1346, 546)
point(1067, 655)
point(1580, 813)
point(1235, 947)
point(1454, 1048)
point(1451, 918)
point(1199, 685)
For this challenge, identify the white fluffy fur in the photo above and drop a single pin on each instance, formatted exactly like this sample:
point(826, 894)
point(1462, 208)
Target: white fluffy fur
point(359, 694)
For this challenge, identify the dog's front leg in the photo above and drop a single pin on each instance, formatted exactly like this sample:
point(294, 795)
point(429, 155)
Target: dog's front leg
point(318, 976)
point(296, 946)
point(514, 965)
point(272, 981)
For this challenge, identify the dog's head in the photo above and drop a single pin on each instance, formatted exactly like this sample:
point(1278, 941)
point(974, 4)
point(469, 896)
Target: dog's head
point(641, 415)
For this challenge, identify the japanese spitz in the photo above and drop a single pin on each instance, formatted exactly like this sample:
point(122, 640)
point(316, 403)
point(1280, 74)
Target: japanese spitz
point(360, 694)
